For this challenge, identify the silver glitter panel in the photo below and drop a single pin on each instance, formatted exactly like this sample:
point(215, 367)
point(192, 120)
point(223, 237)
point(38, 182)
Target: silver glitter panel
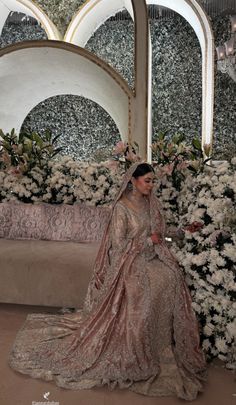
point(13, 33)
point(60, 11)
point(86, 130)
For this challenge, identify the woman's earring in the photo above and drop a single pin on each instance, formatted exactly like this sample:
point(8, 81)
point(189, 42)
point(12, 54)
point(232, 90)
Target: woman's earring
point(134, 189)
point(130, 186)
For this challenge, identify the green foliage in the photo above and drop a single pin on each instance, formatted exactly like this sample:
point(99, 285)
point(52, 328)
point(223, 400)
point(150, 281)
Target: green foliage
point(174, 155)
point(26, 151)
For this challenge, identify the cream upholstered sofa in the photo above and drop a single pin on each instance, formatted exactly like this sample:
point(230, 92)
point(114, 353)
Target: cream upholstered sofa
point(47, 252)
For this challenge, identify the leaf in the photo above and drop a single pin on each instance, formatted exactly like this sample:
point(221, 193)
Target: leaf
point(48, 135)
point(55, 139)
point(207, 160)
point(196, 144)
point(37, 138)
point(21, 137)
point(56, 151)
point(192, 169)
point(178, 138)
point(162, 135)
point(28, 145)
point(27, 135)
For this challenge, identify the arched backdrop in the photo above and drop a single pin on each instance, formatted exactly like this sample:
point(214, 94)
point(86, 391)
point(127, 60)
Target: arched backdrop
point(30, 8)
point(29, 71)
point(94, 12)
point(33, 71)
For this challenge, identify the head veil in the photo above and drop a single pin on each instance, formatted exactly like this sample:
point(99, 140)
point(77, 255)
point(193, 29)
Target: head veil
point(102, 261)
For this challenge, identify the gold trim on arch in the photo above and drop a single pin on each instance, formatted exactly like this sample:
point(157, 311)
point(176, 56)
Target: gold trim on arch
point(206, 57)
point(70, 40)
point(82, 17)
point(82, 52)
point(200, 18)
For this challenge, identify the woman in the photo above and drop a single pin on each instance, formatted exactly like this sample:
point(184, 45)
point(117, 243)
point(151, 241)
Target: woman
point(137, 329)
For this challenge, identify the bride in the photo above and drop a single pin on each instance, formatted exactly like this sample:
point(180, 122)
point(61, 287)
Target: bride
point(137, 329)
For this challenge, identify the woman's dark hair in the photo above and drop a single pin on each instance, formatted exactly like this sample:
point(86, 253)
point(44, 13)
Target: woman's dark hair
point(143, 169)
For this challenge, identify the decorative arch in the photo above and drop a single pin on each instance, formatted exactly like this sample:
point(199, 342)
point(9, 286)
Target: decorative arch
point(33, 71)
point(196, 16)
point(90, 16)
point(30, 8)
point(94, 12)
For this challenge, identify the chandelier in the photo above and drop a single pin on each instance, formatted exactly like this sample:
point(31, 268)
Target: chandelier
point(226, 54)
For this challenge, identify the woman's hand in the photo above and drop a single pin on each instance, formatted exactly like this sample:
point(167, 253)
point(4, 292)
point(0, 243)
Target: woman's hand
point(156, 239)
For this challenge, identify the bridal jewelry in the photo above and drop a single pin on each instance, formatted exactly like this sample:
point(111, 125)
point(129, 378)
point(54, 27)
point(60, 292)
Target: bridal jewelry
point(134, 190)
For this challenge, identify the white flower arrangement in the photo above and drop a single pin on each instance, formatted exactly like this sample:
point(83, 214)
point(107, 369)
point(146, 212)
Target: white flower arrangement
point(204, 207)
point(63, 181)
point(208, 255)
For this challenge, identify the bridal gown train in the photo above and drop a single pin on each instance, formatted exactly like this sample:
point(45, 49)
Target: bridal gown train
point(139, 332)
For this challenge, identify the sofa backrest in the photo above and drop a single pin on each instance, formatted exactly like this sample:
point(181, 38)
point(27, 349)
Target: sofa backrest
point(79, 223)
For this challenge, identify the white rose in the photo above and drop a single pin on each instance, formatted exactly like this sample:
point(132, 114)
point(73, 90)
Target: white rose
point(230, 251)
point(217, 277)
point(231, 328)
point(221, 345)
point(200, 259)
point(208, 329)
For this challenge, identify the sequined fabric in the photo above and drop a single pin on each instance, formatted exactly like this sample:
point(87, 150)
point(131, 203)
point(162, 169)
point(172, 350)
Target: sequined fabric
point(137, 329)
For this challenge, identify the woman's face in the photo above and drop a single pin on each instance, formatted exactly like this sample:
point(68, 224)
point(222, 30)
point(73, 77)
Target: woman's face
point(145, 183)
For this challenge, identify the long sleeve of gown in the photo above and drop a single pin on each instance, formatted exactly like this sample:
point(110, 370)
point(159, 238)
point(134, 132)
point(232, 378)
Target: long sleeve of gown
point(119, 229)
point(128, 228)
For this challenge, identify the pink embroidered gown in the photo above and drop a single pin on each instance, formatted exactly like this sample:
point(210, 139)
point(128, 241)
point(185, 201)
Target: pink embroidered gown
point(137, 329)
